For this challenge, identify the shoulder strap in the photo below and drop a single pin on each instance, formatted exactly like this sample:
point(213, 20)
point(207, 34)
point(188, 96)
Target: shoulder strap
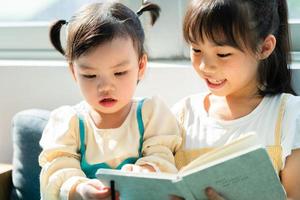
point(82, 134)
point(278, 127)
point(140, 124)
point(181, 119)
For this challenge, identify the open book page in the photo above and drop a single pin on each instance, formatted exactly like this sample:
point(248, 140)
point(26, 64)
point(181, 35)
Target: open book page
point(241, 145)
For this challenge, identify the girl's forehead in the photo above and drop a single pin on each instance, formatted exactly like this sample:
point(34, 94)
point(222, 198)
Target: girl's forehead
point(110, 53)
point(113, 46)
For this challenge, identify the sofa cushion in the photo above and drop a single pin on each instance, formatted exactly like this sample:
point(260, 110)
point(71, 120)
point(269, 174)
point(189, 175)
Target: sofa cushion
point(27, 129)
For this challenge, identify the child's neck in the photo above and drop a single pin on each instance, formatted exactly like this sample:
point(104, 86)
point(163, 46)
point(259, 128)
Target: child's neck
point(110, 120)
point(230, 108)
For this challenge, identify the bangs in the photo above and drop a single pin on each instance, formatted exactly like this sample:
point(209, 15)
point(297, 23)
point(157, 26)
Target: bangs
point(96, 35)
point(221, 22)
point(93, 33)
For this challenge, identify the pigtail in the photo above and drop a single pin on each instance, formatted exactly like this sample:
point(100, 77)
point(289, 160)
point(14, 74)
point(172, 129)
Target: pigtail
point(154, 10)
point(54, 35)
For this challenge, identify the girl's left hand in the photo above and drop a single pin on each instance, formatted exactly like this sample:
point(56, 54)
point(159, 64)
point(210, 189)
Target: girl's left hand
point(211, 194)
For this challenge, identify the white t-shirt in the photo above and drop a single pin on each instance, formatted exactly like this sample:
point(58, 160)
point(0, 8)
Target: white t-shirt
point(203, 131)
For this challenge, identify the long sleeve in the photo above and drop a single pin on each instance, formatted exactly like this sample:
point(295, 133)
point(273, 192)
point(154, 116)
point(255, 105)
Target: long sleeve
point(162, 136)
point(59, 158)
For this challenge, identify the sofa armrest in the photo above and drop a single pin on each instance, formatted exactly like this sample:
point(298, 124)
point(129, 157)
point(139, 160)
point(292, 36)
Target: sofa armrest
point(27, 128)
point(5, 181)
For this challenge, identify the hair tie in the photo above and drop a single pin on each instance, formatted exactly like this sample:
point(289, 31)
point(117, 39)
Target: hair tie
point(141, 10)
point(64, 22)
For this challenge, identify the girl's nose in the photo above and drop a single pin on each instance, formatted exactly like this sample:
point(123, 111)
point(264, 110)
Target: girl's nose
point(207, 66)
point(104, 85)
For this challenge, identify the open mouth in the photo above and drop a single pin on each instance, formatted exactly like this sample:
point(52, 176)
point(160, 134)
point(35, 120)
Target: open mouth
point(215, 84)
point(108, 102)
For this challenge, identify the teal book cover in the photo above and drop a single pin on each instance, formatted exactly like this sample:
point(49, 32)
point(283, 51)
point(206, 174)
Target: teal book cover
point(133, 186)
point(238, 171)
point(249, 176)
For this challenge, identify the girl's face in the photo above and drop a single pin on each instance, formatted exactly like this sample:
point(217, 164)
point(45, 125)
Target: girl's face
point(226, 70)
point(108, 75)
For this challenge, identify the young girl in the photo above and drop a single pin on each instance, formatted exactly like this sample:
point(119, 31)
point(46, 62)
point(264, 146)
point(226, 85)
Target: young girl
point(240, 48)
point(109, 129)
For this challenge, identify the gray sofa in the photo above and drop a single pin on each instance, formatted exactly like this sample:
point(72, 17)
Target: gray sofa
point(27, 127)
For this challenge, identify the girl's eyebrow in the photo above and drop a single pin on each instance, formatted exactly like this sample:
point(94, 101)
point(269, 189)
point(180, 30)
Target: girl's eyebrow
point(124, 62)
point(85, 67)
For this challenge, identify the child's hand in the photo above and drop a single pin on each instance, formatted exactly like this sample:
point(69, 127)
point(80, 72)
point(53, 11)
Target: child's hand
point(138, 168)
point(210, 193)
point(92, 189)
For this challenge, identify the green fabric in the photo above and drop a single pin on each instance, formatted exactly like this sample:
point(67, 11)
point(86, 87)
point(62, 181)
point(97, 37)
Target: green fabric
point(90, 170)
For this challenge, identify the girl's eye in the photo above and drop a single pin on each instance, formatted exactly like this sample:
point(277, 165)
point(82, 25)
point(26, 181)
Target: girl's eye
point(221, 55)
point(89, 76)
point(196, 50)
point(120, 73)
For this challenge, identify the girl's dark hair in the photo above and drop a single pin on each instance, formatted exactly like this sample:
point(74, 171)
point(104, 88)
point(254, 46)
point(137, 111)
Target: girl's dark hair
point(98, 23)
point(244, 24)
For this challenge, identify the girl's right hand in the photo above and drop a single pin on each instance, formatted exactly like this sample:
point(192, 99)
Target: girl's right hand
point(92, 189)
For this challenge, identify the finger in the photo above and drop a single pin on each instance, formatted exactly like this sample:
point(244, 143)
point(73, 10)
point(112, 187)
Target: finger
point(212, 194)
point(93, 193)
point(146, 170)
point(127, 167)
point(96, 184)
point(98, 190)
point(117, 196)
point(104, 193)
point(137, 168)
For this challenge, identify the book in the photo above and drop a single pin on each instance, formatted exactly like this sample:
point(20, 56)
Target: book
point(241, 170)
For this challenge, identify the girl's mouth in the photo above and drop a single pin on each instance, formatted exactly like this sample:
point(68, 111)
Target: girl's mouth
point(107, 102)
point(215, 84)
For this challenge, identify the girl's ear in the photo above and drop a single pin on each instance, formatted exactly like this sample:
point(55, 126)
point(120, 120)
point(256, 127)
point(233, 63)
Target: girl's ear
point(142, 66)
point(71, 67)
point(267, 47)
